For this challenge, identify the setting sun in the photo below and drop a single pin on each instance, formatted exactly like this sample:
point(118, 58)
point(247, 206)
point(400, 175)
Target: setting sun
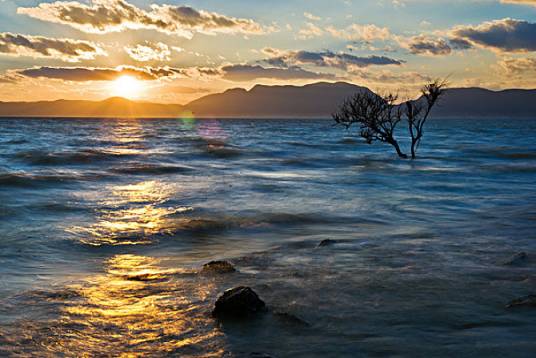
point(126, 86)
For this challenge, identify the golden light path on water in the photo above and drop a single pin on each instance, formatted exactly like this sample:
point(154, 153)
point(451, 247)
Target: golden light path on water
point(132, 214)
point(138, 210)
point(135, 308)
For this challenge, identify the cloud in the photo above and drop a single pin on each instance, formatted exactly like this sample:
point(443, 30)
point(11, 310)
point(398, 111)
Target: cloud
point(357, 32)
point(149, 51)
point(85, 74)
point(518, 67)
point(240, 73)
point(387, 77)
point(460, 44)
point(7, 79)
point(311, 17)
point(39, 46)
point(422, 45)
point(520, 2)
point(310, 31)
point(506, 35)
point(341, 61)
point(104, 16)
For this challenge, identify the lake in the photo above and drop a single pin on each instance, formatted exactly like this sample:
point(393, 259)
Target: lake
point(104, 225)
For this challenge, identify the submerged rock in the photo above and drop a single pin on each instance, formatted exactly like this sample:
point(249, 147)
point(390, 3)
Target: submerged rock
point(290, 319)
point(527, 301)
point(327, 242)
point(219, 267)
point(238, 302)
point(516, 259)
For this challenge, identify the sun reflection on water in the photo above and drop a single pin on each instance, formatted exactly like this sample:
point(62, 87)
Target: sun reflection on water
point(131, 215)
point(135, 308)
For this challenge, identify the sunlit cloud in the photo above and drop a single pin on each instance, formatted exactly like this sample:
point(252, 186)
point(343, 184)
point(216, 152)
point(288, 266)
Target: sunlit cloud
point(104, 16)
point(520, 2)
point(45, 47)
point(518, 66)
point(310, 31)
point(83, 74)
point(357, 32)
point(385, 77)
point(149, 51)
point(311, 17)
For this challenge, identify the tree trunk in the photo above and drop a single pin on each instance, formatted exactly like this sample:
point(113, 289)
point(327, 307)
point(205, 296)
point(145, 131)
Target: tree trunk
point(394, 143)
point(413, 149)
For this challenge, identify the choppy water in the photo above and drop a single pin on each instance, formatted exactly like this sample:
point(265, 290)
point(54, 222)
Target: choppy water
point(105, 223)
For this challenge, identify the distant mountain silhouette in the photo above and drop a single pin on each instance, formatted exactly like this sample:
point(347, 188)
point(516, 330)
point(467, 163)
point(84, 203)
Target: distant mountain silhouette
point(317, 100)
point(111, 107)
point(479, 102)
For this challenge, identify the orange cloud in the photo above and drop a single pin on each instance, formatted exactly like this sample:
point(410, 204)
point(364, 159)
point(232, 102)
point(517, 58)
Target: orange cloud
point(104, 16)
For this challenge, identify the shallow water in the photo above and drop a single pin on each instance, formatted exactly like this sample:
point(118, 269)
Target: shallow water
point(104, 225)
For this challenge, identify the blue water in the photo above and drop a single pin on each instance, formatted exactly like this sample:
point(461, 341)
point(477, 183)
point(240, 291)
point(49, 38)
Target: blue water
point(104, 225)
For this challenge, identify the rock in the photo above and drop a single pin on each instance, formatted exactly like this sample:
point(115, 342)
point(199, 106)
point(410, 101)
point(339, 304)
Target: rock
point(238, 302)
point(327, 242)
point(219, 267)
point(516, 259)
point(291, 319)
point(527, 301)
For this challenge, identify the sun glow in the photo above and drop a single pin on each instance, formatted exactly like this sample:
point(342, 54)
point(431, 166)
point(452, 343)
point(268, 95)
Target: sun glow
point(126, 86)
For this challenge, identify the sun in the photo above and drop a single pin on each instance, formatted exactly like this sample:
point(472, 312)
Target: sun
point(126, 86)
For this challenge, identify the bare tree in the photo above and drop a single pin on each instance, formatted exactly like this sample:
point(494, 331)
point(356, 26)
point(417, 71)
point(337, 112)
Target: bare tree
point(378, 116)
point(417, 112)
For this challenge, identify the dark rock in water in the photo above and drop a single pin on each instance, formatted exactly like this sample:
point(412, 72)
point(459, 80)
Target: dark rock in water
point(516, 259)
point(218, 267)
point(238, 302)
point(291, 319)
point(527, 301)
point(327, 242)
point(260, 355)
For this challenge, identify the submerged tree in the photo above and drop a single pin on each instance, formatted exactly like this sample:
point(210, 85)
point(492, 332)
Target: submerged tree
point(417, 112)
point(378, 116)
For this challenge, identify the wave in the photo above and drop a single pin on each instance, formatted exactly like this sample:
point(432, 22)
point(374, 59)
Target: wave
point(70, 158)
point(153, 169)
point(171, 226)
point(15, 141)
point(21, 179)
point(222, 151)
point(510, 168)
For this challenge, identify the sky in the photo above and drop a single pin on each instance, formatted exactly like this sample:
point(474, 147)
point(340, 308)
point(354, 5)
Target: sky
point(173, 51)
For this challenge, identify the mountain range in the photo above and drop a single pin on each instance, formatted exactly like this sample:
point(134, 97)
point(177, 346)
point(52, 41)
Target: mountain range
point(317, 100)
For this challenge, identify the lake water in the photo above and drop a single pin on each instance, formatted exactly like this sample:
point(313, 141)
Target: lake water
point(104, 225)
